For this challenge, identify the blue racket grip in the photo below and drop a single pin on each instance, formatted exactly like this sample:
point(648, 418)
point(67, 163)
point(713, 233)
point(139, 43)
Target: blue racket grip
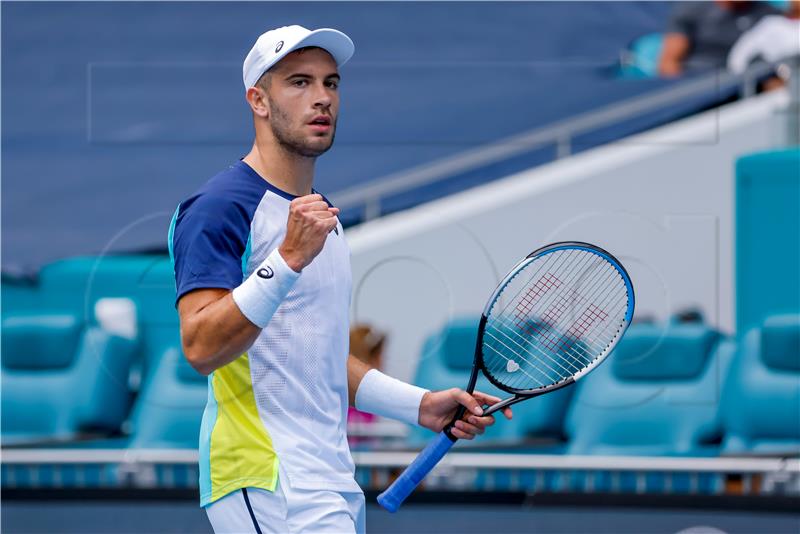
point(393, 497)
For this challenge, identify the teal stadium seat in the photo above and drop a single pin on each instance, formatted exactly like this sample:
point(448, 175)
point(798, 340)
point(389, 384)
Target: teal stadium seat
point(74, 285)
point(767, 236)
point(61, 377)
point(761, 397)
point(170, 395)
point(446, 362)
point(148, 280)
point(657, 395)
point(170, 406)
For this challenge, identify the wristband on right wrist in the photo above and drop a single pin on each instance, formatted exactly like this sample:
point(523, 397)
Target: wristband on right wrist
point(259, 296)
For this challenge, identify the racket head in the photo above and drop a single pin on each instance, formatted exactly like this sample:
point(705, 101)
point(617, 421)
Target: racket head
point(556, 316)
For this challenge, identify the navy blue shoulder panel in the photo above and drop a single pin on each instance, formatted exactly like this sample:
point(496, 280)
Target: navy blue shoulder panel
point(210, 230)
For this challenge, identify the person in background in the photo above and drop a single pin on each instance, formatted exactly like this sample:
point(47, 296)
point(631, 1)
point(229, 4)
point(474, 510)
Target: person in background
point(700, 34)
point(366, 344)
point(774, 38)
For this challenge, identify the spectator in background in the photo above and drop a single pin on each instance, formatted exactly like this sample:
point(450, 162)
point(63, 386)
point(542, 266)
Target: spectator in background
point(773, 39)
point(366, 344)
point(701, 34)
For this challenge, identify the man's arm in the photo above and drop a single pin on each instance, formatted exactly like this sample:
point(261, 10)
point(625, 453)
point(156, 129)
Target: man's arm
point(214, 332)
point(436, 408)
point(675, 49)
point(356, 369)
point(678, 37)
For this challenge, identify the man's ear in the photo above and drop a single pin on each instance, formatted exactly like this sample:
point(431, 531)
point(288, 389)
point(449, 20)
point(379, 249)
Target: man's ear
point(258, 100)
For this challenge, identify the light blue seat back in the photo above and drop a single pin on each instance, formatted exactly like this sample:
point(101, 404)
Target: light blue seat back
point(658, 394)
point(19, 294)
point(72, 287)
point(157, 316)
point(169, 409)
point(446, 362)
point(38, 342)
point(83, 386)
point(76, 284)
point(761, 397)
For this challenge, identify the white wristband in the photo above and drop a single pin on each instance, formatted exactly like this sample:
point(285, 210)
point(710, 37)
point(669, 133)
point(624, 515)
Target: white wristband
point(260, 295)
point(388, 397)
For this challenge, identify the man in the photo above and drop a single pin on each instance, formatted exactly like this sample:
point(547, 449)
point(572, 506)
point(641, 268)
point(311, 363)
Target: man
point(701, 34)
point(263, 289)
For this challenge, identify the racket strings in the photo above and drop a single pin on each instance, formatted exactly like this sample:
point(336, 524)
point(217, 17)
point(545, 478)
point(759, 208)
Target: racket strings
point(575, 348)
point(551, 318)
point(513, 346)
point(568, 367)
point(554, 318)
point(523, 304)
point(571, 355)
point(570, 359)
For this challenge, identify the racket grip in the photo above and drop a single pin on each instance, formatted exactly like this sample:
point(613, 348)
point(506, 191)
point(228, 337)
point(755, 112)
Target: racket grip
point(393, 497)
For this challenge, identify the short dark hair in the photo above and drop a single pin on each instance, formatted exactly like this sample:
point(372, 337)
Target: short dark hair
point(263, 82)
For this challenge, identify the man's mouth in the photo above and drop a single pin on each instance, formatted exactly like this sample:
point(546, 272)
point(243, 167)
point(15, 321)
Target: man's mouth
point(321, 123)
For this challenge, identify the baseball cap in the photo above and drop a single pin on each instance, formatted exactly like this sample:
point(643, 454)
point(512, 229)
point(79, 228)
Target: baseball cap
point(274, 45)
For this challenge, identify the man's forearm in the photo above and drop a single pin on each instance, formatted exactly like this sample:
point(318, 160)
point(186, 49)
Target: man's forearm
point(356, 369)
point(374, 392)
point(217, 334)
point(217, 326)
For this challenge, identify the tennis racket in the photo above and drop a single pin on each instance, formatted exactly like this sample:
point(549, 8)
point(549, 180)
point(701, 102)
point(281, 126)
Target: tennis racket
point(556, 316)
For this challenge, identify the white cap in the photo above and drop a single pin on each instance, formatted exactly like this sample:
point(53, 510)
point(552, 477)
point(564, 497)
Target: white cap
point(273, 45)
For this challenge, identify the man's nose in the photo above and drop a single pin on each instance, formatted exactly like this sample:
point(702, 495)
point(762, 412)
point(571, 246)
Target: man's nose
point(322, 97)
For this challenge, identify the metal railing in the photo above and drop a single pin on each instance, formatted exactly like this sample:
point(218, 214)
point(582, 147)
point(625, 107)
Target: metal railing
point(561, 134)
point(144, 468)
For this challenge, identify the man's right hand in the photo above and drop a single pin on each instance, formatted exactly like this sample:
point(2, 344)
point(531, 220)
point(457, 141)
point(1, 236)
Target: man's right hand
point(310, 221)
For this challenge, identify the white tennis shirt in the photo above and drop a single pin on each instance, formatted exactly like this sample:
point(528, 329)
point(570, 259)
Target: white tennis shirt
point(285, 400)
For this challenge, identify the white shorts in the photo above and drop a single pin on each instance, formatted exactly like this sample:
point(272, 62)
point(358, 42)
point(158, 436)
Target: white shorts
point(288, 510)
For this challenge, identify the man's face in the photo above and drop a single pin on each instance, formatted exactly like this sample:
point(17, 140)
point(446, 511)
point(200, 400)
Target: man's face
point(303, 91)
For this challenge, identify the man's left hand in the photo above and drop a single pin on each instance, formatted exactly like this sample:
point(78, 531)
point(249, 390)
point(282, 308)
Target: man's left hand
point(438, 408)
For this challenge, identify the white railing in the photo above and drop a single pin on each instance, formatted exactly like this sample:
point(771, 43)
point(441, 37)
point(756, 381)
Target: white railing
point(158, 468)
point(739, 464)
point(390, 459)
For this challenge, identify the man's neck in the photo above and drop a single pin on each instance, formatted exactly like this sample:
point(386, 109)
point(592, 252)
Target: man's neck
point(286, 171)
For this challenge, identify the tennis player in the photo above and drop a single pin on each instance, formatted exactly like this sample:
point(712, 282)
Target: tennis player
point(263, 281)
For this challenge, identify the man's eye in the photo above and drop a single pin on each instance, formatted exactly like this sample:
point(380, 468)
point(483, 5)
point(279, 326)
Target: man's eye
point(333, 85)
point(300, 83)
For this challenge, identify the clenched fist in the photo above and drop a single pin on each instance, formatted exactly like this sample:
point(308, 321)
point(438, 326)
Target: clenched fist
point(310, 221)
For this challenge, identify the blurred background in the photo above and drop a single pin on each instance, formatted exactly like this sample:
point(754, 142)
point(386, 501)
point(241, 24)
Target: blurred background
point(470, 134)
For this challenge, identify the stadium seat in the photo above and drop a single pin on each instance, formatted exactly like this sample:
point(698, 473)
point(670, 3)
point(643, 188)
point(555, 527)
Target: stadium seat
point(761, 396)
point(170, 407)
point(147, 280)
point(767, 234)
point(446, 362)
point(658, 394)
point(62, 377)
point(158, 318)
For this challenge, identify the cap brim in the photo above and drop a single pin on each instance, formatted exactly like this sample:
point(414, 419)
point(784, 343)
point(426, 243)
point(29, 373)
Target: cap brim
point(336, 43)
